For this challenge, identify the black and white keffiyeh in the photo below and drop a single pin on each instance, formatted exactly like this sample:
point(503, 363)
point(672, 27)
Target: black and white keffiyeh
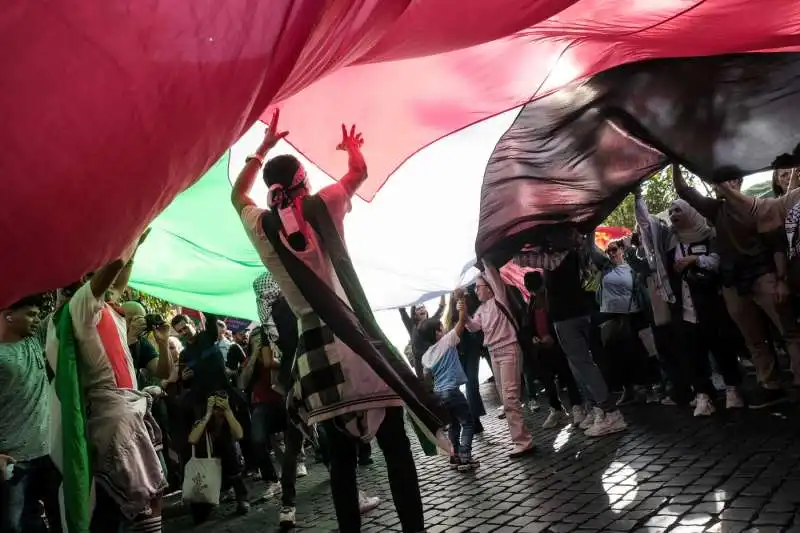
point(267, 293)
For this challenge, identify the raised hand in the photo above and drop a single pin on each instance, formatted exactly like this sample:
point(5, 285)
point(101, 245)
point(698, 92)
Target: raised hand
point(272, 136)
point(351, 141)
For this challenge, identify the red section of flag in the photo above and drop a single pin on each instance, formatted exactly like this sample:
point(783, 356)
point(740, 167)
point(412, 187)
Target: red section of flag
point(113, 108)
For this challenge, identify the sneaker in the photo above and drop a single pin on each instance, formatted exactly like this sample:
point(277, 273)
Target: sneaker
point(534, 405)
point(733, 398)
point(468, 464)
point(590, 418)
point(454, 462)
point(669, 402)
point(762, 398)
point(607, 423)
point(704, 407)
point(553, 418)
point(652, 396)
point(522, 453)
point(287, 516)
point(367, 503)
point(242, 507)
point(302, 471)
point(578, 415)
point(273, 489)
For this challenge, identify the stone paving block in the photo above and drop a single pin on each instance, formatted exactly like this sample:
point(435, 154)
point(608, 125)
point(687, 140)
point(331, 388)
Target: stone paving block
point(773, 519)
point(669, 471)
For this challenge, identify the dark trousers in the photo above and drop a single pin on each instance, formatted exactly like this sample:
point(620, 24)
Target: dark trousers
point(462, 423)
point(400, 467)
point(629, 361)
point(698, 341)
point(553, 366)
point(268, 420)
point(671, 357)
point(32, 481)
point(470, 362)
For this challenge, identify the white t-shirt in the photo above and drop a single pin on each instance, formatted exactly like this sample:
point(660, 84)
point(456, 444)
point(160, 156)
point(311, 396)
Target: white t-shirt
point(337, 200)
point(443, 362)
point(97, 346)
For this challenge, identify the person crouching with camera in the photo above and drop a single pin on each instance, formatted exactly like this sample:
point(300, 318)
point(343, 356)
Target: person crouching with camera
point(223, 434)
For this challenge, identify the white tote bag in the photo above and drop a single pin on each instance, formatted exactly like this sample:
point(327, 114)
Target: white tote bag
point(202, 478)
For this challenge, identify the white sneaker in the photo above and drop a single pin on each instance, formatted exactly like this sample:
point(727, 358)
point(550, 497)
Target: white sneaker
point(704, 407)
point(273, 489)
point(287, 517)
point(607, 423)
point(590, 418)
point(553, 419)
point(367, 503)
point(733, 398)
point(302, 471)
point(578, 415)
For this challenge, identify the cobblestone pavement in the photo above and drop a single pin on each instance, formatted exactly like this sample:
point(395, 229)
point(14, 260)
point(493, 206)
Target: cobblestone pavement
point(733, 472)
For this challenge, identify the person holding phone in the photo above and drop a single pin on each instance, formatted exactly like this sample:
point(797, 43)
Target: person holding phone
point(224, 433)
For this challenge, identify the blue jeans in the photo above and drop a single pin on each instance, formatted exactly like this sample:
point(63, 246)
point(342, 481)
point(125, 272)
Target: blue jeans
point(462, 424)
point(30, 482)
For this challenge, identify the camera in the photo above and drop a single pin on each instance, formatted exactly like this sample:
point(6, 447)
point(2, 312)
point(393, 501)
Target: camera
point(153, 322)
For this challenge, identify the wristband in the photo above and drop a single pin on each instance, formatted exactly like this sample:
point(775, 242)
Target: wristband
point(256, 157)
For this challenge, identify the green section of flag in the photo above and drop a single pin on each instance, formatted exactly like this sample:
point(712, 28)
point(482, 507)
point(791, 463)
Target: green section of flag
point(76, 470)
point(198, 254)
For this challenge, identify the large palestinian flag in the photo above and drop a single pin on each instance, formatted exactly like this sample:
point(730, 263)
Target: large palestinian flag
point(113, 109)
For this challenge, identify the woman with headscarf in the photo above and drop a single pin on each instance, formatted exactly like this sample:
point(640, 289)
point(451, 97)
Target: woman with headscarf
point(698, 310)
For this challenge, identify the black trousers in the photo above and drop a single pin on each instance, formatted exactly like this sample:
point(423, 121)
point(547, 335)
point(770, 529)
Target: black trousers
point(698, 340)
point(628, 359)
point(470, 362)
point(400, 468)
point(672, 359)
point(552, 365)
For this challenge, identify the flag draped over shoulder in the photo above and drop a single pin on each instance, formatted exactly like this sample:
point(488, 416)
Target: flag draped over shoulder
point(76, 470)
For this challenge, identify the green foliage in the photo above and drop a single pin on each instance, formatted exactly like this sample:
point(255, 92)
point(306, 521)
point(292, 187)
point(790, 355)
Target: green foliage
point(658, 193)
point(153, 304)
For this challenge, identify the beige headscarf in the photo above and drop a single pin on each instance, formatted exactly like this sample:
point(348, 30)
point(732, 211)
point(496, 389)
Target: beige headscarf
point(695, 227)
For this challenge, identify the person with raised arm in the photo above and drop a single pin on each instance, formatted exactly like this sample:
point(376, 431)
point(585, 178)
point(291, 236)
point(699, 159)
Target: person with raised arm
point(753, 270)
point(332, 385)
point(102, 410)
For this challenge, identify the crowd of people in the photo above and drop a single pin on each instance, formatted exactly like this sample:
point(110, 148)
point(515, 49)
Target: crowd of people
point(705, 289)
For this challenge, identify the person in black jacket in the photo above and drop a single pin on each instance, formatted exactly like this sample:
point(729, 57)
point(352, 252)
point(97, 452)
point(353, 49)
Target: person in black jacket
point(550, 359)
point(418, 315)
